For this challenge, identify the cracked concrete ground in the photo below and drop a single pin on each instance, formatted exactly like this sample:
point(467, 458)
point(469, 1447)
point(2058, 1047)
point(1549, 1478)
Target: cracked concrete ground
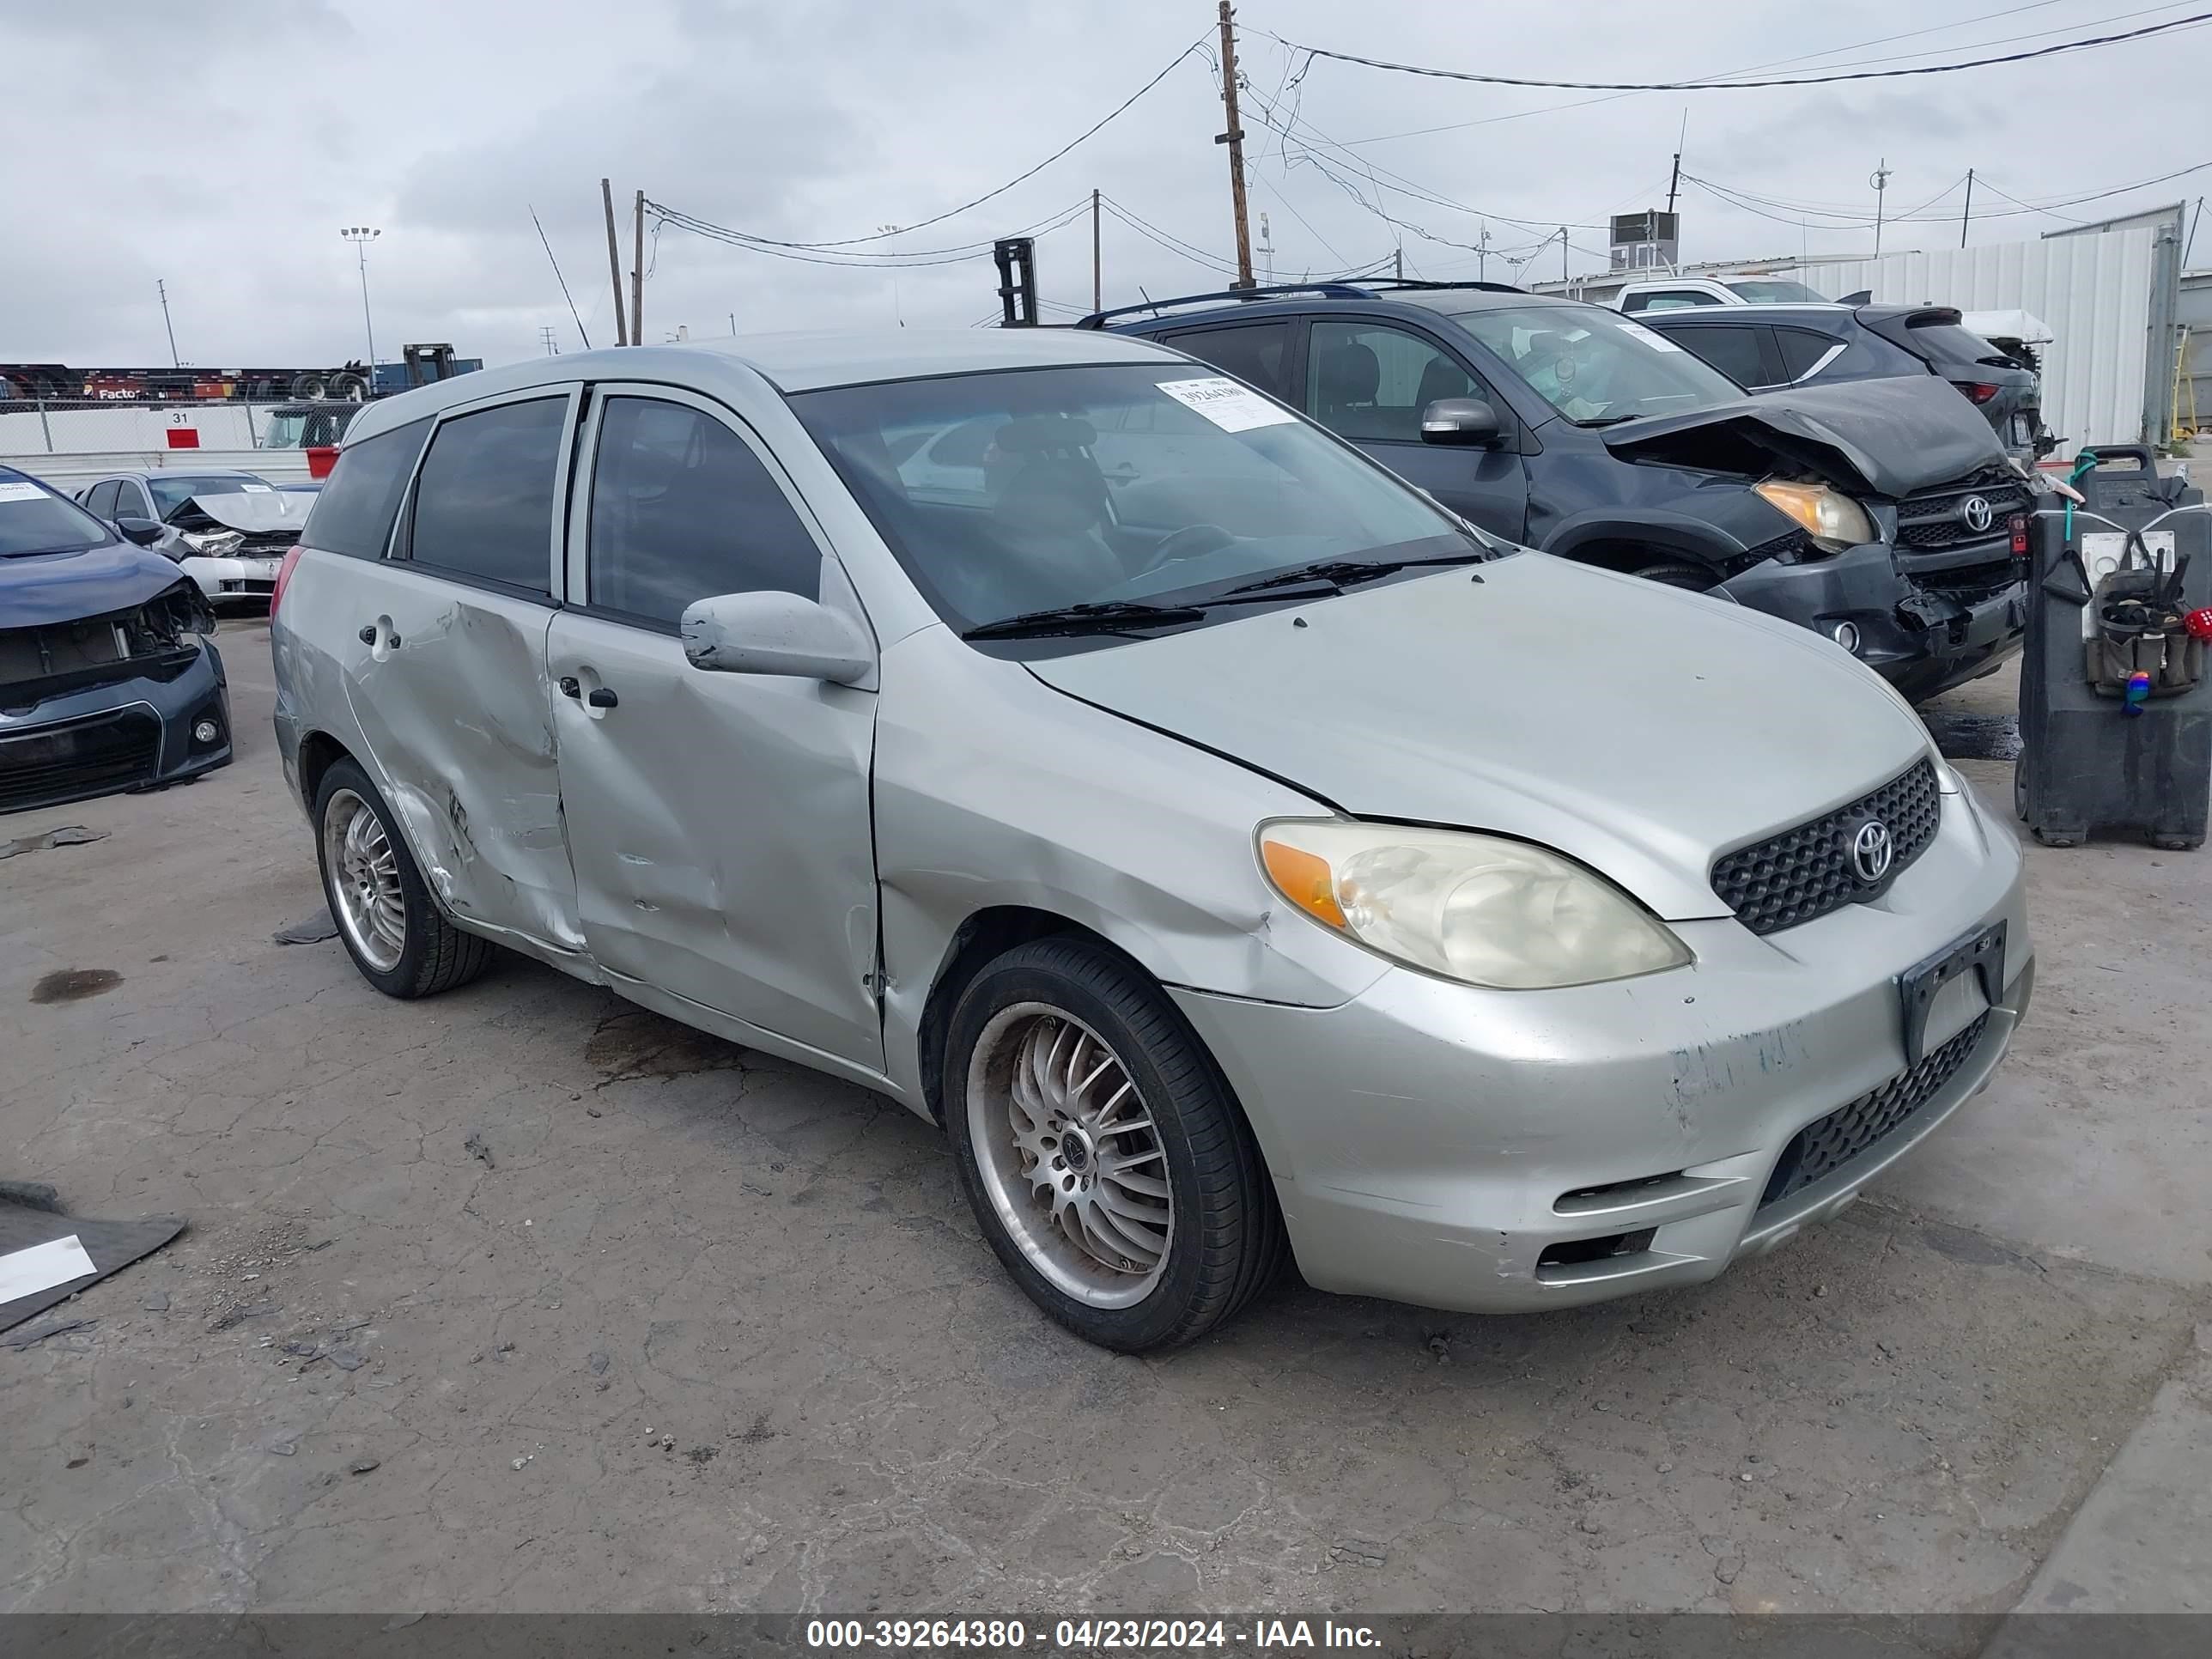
point(695, 1329)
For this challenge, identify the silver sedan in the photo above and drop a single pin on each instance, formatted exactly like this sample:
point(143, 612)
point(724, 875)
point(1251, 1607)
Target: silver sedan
point(1235, 851)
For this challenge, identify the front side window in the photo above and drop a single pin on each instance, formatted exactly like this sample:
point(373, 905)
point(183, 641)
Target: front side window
point(483, 505)
point(1596, 366)
point(353, 512)
point(1255, 352)
point(683, 509)
point(1153, 484)
point(101, 501)
point(1370, 383)
point(129, 500)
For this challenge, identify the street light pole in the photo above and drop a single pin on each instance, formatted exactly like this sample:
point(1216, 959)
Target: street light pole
point(361, 236)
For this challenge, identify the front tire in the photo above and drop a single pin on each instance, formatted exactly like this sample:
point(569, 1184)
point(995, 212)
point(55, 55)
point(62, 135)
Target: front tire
point(390, 926)
point(1674, 573)
point(1105, 1161)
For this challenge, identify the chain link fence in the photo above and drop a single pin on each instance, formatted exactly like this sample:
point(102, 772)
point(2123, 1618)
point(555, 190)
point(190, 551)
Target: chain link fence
point(68, 425)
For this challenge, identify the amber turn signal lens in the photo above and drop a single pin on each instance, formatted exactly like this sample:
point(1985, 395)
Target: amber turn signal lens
point(1304, 879)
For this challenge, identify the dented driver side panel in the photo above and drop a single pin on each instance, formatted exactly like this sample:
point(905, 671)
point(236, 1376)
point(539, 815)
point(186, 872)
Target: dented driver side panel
point(450, 695)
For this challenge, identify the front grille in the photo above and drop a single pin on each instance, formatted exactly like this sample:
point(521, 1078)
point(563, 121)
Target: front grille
point(82, 757)
point(1826, 1145)
point(1927, 520)
point(1806, 872)
point(1969, 582)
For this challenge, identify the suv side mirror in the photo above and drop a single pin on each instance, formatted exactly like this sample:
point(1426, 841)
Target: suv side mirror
point(1464, 421)
point(144, 532)
point(776, 632)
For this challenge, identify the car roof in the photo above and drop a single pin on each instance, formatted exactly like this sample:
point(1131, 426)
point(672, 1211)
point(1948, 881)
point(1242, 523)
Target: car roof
point(808, 360)
point(1451, 301)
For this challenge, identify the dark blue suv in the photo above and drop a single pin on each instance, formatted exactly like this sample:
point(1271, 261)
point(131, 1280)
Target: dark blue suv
point(1883, 514)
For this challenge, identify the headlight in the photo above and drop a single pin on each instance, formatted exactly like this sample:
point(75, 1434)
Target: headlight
point(1476, 908)
point(213, 542)
point(1833, 521)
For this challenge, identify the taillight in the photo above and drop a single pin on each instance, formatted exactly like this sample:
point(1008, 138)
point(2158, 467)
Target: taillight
point(283, 576)
point(2018, 522)
point(1980, 391)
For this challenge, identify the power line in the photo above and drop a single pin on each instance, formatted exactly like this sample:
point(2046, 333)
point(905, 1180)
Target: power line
point(858, 260)
point(2083, 45)
point(950, 213)
point(1755, 205)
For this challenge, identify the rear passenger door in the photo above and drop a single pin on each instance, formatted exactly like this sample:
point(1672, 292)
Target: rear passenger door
point(443, 645)
point(1369, 381)
point(719, 823)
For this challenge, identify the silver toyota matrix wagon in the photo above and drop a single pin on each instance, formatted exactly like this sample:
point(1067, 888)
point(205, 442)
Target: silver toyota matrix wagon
point(1232, 849)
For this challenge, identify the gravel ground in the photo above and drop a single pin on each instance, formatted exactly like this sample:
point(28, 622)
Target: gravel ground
point(522, 1299)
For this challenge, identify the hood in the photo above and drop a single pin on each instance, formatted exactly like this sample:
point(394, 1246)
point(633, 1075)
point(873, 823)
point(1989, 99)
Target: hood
point(258, 512)
point(1638, 728)
point(1882, 438)
point(37, 588)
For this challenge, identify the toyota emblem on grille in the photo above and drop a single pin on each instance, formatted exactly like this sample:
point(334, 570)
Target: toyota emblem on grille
point(1871, 851)
point(1976, 513)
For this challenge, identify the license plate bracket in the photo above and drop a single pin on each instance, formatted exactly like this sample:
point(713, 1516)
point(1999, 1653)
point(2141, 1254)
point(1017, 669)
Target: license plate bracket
point(1981, 953)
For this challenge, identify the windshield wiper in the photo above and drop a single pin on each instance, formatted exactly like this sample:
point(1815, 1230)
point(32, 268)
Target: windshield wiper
point(1092, 616)
point(1339, 572)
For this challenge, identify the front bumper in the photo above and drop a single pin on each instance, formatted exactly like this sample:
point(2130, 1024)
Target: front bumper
point(1923, 642)
point(234, 578)
point(134, 733)
point(1501, 1151)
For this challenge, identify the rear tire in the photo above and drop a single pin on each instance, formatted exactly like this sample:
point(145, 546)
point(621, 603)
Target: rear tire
point(310, 388)
point(389, 924)
point(1091, 1124)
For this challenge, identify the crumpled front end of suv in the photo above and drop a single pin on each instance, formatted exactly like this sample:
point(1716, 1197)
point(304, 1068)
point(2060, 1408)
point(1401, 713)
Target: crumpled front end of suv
point(1930, 591)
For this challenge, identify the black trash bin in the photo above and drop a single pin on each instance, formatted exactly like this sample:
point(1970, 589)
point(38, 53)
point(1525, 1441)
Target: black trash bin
point(2115, 699)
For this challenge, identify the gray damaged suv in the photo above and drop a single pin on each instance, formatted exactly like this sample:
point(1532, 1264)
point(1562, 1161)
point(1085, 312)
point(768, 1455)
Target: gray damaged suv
point(1233, 850)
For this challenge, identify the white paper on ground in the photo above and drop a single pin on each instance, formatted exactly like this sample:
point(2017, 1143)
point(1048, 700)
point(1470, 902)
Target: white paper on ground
point(42, 1266)
point(1231, 407)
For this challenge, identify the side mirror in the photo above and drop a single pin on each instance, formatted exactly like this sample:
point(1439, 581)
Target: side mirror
point(1464, 421)
point(772, 633)
point(142, 531)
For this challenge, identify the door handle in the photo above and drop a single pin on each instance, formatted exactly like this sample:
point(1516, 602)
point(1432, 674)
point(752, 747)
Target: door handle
point(568, 686)
point(603, 696)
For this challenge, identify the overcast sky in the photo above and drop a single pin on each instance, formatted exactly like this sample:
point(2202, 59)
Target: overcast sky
point(220, 146)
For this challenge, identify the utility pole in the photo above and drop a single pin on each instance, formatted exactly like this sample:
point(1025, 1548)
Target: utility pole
point(1397, 262)
point(614, 263)
point(1562, 253)
point(1879, 180)
point(637, 278)
point(549, 339)
point(1098, 287)
point(1482, 254)
point(1675, 178)
point(361, 236)
point(1235, 139)
point(1969, 213)
point(1267, 250)
point(162, 288)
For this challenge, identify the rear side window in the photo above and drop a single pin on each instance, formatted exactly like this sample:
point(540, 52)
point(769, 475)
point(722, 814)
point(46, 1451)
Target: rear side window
point(1255, 352)
point(1801, 349)
point(682, 509)
point(1733, 350)
point(353, 515)
point(483, 504)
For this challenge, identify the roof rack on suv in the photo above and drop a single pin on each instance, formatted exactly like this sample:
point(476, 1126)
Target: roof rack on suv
point(1363, 289)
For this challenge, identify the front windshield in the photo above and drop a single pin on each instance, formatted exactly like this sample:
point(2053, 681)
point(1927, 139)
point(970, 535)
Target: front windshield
point(1007, 493)
point(1774, 292)
point(285, 431)
point(170, 493)
point(36, 521)
point(1596, 366)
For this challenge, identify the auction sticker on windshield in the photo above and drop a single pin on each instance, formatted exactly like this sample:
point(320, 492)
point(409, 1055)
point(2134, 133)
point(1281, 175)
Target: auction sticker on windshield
point(21, 492)
point(1651, 337)
point(1231, 407)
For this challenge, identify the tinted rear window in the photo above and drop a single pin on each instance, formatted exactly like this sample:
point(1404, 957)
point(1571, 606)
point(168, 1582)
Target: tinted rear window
point(353, 515)
point(1948, 343)
point(1253, 352)
point(484, 507)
